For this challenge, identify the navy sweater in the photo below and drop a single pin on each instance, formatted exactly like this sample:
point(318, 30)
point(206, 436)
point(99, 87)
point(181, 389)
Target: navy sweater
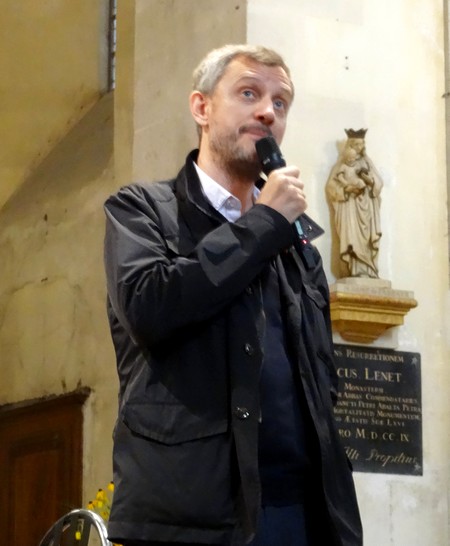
point(284, 456)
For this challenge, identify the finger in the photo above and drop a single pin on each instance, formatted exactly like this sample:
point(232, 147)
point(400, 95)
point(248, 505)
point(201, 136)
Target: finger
point(292, 170)
point(296, 182)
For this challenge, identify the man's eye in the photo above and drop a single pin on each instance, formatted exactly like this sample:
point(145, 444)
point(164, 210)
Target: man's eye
point(248, 93)
point(279, 104)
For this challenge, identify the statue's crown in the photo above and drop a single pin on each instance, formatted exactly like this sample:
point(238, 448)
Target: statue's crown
point(351, 133)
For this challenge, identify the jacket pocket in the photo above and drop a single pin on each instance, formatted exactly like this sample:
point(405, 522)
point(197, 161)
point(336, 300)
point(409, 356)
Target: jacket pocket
point(170, 424)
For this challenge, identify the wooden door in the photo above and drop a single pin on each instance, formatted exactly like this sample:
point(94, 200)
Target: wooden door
point(40, 465)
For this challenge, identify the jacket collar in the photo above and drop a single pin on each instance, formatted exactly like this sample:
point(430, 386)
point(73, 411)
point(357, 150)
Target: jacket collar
point(189, 189)
point(197, 212)
point(189, 192)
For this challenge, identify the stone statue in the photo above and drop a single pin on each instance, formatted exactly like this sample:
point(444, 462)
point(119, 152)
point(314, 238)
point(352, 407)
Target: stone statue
point(354, 188)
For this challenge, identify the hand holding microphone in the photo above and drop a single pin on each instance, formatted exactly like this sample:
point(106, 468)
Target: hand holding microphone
point(283, 191)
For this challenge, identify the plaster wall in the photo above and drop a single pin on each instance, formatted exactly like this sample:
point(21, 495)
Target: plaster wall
point(55, 161)
point(54, 337)
point(53, 62)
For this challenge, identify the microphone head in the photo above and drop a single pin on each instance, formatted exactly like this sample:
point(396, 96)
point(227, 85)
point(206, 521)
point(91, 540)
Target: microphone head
point(269, 154)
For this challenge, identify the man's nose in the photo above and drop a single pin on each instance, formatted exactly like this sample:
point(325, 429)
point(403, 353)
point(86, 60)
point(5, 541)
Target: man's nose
point(265, 112)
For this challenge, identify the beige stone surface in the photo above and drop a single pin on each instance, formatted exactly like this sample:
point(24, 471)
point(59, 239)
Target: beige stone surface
point(53, 331)
point(374, 287)
point(363, 309)
point(53, 68)
point(154, 128)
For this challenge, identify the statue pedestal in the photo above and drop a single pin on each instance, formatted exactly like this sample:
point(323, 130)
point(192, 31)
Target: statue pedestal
point(362, 308)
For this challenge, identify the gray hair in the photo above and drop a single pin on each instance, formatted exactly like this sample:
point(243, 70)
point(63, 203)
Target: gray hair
point(212, 67)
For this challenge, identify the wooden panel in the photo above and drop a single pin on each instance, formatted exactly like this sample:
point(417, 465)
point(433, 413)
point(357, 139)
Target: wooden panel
point(40, 466)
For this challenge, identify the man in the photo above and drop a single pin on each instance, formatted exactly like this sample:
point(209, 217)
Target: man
point(225, 432)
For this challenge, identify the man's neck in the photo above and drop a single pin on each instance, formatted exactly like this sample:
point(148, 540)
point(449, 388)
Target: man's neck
point(240, 186)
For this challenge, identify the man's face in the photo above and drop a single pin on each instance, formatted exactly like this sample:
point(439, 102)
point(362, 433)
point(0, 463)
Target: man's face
point(249, 102)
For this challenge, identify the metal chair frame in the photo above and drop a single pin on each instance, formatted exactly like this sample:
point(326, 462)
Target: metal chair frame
point(80, 520)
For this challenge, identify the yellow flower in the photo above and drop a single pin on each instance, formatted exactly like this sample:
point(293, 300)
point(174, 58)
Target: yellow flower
point(101, 495)
point(101, 505)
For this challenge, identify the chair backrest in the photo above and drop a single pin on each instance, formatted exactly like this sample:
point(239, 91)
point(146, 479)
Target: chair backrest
point(74, 528)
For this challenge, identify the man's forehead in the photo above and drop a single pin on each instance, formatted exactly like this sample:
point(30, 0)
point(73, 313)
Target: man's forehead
point(242, 68)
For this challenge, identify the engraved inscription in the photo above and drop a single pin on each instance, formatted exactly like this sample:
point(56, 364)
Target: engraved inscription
point(378, 412)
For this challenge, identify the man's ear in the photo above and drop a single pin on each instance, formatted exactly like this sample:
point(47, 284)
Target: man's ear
point(198, 103)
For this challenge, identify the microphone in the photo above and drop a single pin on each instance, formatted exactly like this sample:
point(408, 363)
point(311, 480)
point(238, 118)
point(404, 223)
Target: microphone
point(271, 158)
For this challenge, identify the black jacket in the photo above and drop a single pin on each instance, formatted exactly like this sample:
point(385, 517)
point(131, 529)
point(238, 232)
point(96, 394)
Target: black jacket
point(185, 309)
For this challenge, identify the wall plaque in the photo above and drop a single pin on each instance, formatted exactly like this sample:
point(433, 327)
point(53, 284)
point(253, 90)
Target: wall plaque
point(379, 409)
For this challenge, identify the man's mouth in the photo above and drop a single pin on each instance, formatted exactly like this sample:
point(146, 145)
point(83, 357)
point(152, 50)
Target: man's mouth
point(259, 131)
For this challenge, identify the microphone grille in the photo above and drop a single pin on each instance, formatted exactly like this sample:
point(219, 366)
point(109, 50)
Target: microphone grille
point(266, 147)
point(269, 154)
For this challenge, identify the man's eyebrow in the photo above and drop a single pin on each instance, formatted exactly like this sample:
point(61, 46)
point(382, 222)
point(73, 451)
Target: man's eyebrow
point(286, 87)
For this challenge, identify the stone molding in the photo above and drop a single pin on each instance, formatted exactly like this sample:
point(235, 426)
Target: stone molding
point(362, 309)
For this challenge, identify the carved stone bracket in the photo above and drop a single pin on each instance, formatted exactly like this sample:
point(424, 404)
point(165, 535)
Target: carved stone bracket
point(363, 309)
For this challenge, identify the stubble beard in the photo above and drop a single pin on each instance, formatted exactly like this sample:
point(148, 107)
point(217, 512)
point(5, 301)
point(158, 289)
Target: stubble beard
point(236, 161)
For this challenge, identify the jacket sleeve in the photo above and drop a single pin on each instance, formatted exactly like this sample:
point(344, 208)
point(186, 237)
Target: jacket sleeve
point(154, 291)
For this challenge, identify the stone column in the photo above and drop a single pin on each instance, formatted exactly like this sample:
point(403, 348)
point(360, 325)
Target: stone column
point(159, 43)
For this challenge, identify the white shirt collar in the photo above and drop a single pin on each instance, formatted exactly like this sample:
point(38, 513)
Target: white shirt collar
point(221, 199)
